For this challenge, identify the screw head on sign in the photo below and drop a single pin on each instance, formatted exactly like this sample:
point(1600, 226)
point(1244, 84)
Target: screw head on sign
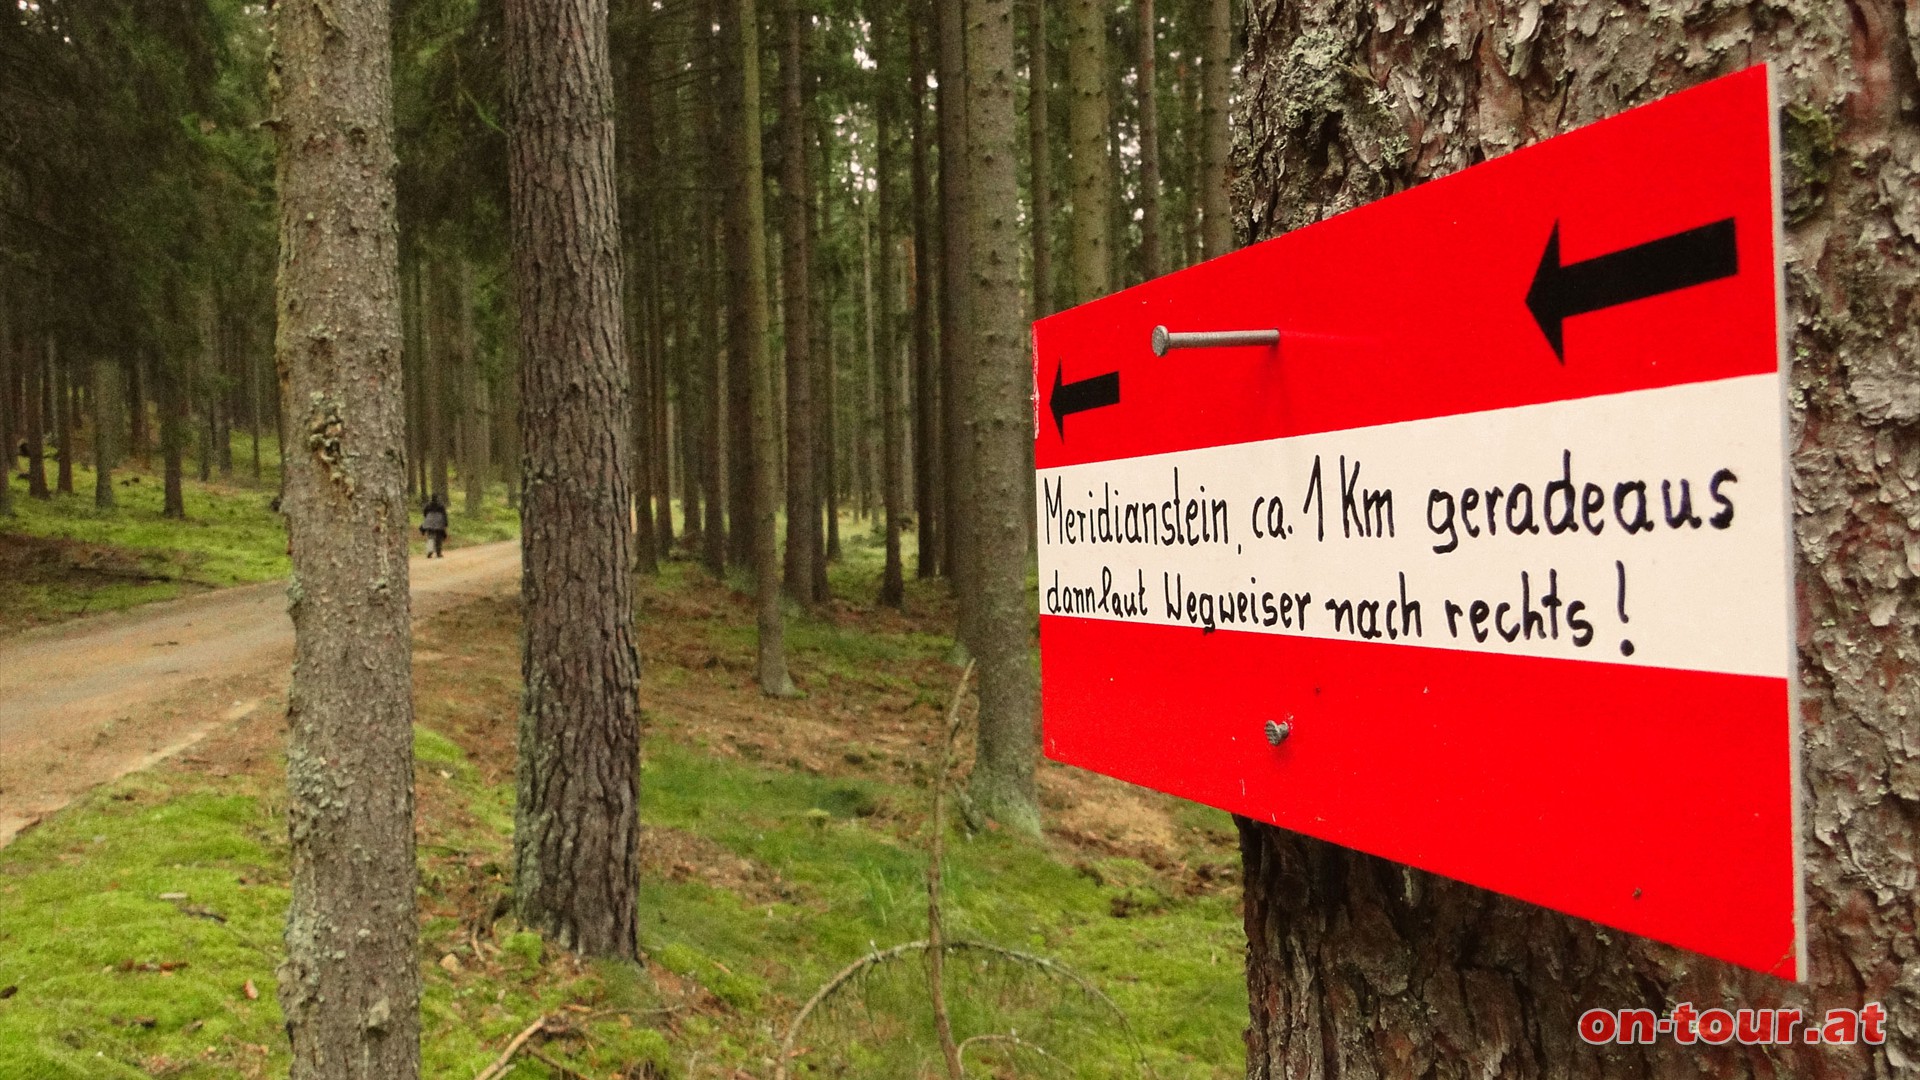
point(1277, 732)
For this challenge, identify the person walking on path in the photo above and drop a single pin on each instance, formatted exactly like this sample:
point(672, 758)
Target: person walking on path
point(433, 522)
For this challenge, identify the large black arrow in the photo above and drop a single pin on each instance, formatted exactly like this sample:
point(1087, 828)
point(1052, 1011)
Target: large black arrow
point(1561, 291)
point(1068, 398)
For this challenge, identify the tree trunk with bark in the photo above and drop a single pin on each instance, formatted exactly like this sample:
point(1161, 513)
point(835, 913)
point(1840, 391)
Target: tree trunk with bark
point(803, 523)
point(886, 350)
point(1145, 71)
point(927, 466)
point(1357, 968)
point(62, 420)
point(576, 830)
point(1090, 165)
point(173, 437)
point(34, 396)
point(103, 376)
point(956, 312)
point(749, 257)
point(1040, 158)
point(1002, 786)
point(9, 427)
point(350, 984)
point(1216, 47)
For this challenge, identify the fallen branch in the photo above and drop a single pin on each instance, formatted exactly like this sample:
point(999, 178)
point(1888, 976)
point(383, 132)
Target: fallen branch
point(500, 1064)
point(1010, 1039)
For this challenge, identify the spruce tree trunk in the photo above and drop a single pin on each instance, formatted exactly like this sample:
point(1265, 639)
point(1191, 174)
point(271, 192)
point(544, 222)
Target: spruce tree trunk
point(1040, 158)
point(1090, 166)
point(749, 260)
point(803, 523)
point(1008, 744)
point(173, 438)
point(1216, 46)
point(927, 466)
point(63, 420)
point(576, 832)
point(350, 984)
point(138, 439)
point(434, 334)
point(1359, 968)
point(103, 376)
point(956, 315)
point(1149, 142)
point(886, 349)
point(9, 456)
point(713, 335)
point(34, 396)
point(474, 458)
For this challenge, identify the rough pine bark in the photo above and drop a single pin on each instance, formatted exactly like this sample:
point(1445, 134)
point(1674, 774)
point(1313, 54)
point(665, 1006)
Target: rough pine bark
point(1357, 968)
point(34, 397)
point(1216, 47)
point(1008, 743)
point(750, 343)
point(1090, 178)
point(1149, 141)
point(103, 375)
point(173, 439)
point(62, 420)
point(1039, 158)
point(803, 523)
point(886, 351)
point(956, 312)
point(350, 983)
point(927, 466)
point(8, 426)
point(576, 825)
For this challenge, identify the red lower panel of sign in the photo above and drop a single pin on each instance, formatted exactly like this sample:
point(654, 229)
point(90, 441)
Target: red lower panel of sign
point(1652, 800)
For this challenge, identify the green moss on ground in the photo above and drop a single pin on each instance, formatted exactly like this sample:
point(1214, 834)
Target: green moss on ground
point(63, 557)
point(764, 876)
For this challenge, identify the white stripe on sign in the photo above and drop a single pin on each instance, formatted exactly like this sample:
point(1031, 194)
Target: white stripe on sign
point(1639, 528)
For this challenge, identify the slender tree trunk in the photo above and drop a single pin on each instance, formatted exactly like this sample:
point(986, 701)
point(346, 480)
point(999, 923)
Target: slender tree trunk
point(62, 419)
point(749, 259)
point(1150, 266)
point(803, 523)
point(646, 557)
point(886, 348)
point(1087, 140)
point(1216, 46)
point(34, 396)
point(824, 295)
point(350, 984)
point(252, 363)
point(1002, 786)
point(435, 343)
point(1359, 968)
point(139, 441)
point(862, 434)
point(956, 315)
point(576, 826)
point(104, 375)
point(173, 437)
point(660, 451)
point(9, 427)
point(927, 466)
point(475, 420)
point(1040, 157)
point(716, 404)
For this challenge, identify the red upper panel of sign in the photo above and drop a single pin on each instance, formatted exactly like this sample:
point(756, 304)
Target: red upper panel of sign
point(1418, 305)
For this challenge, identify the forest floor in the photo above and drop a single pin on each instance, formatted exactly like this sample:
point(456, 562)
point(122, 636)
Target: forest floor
point(63, 557)
point(140, 927)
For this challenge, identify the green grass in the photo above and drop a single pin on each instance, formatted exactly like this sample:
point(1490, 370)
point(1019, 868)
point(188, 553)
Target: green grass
point(817, 871)
point(79, 559)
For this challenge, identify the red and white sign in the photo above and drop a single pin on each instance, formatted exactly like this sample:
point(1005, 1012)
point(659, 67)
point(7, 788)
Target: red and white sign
point(1496, 537)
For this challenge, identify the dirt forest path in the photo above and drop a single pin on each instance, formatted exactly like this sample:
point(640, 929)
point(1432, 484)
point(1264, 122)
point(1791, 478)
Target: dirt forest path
point(97, 698)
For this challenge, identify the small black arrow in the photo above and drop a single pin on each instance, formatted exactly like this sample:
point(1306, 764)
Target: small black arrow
point(1068, 398)
point(1685, 259)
